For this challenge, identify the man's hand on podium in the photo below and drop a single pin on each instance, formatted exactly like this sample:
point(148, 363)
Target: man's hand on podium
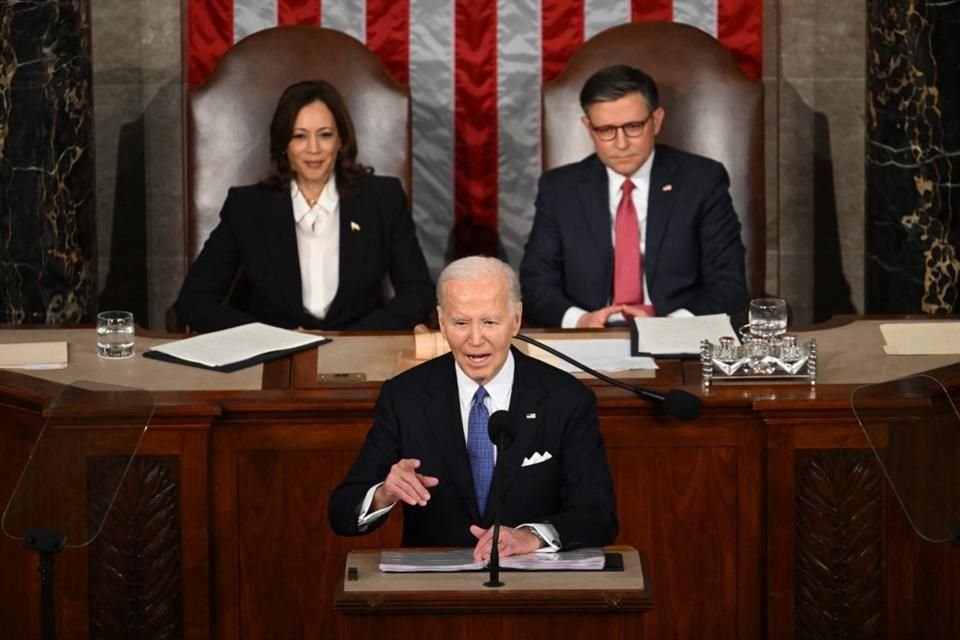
point(513, 542)
point(404, 483)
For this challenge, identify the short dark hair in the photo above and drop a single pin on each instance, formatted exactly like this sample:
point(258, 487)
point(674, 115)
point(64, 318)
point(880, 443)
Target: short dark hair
point(347, 170)
point(613, 83)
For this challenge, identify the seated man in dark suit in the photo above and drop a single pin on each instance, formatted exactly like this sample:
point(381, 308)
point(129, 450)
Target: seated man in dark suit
point(428, 447)
point(635, 229)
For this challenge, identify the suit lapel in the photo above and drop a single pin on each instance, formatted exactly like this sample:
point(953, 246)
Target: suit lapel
point(354, 232)
point(280, 239)
point(525, 398)
point(443, 416)
point(659, 206)
point(595, 205)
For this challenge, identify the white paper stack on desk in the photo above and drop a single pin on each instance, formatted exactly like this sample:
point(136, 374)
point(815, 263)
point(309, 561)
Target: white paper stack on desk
point(589, 559)
point(33, 355)
point(235, 348)
point(678, 336)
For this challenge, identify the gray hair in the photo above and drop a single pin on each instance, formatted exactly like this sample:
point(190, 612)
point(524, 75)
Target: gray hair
point(480, 268)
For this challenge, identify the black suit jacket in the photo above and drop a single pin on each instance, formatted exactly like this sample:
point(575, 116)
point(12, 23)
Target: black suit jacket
point(693, 255)
point(418, 416)
point(257, 234)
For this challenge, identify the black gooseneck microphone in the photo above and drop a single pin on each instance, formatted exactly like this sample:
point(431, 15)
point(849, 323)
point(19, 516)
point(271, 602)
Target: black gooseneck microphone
point(677, 402)
point(501, 428)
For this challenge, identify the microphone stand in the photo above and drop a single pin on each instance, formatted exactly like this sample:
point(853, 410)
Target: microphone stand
point(494, 564)
point(678, 403)
point(640, 391)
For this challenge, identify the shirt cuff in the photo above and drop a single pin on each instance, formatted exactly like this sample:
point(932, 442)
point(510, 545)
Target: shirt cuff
point(545, 532)
point(571, 316)
point(366, 518)
point(679, 313)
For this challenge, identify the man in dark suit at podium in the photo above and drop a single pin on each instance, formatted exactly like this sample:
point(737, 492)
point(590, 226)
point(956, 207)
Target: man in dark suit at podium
point(429, 450)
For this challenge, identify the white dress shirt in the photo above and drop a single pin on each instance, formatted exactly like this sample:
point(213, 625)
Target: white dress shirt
point(499, 390)
point(318, 246)
point(641, 198)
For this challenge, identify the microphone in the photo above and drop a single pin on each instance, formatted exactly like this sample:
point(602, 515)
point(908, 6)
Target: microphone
point(502, 429)
point(677, 402)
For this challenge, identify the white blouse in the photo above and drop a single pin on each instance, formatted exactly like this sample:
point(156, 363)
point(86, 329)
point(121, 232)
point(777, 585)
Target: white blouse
point(318, 246)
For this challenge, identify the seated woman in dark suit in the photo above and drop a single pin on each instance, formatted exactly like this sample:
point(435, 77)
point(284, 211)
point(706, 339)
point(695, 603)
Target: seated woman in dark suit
point(314, 240)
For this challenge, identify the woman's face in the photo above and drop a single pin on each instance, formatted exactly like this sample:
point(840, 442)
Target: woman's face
point(314, 143)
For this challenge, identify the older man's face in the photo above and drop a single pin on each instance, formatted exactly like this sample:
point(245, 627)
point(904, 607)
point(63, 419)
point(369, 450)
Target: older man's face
point(633, 127)
point(478, 319)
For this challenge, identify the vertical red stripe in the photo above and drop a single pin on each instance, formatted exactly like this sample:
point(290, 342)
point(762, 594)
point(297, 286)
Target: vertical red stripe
point(388, 35)
point(298, 12)
point(209, 35)
point(651, 10)
point(740, 29)
point(561, 33)
point(475, 128)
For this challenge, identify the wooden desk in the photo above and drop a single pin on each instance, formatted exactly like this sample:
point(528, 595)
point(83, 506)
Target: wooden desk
point(767, 517)
point(557, 605)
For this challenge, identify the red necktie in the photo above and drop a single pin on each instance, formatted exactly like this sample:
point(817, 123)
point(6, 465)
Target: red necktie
point(627, 260)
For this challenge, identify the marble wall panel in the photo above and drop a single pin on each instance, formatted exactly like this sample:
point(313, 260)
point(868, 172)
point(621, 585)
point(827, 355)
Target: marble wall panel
point(913, 158)
point(47, 201)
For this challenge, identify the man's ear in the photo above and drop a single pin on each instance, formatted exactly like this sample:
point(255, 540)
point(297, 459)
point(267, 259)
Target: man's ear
point(658, 120)
point(586, 124)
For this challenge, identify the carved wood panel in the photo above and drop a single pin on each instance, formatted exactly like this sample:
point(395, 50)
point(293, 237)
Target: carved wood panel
point(839, 571)
point(135, 564)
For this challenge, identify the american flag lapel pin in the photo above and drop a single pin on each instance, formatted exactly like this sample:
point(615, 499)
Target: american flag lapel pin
point(354, 226)
point(667, 187)
point(531, 416)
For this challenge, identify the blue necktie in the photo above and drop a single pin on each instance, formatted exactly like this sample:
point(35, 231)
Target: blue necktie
point(479, 447)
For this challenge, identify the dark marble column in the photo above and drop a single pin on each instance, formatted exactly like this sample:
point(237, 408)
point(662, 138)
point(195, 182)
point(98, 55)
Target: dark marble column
point(913, 157)
point(47, 212)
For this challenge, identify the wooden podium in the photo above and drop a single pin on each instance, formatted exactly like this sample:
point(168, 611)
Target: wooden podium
point(542, 604)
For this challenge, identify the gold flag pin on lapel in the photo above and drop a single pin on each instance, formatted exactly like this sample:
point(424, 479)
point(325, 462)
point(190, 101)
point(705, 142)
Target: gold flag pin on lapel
point(667, 187)
point(354, 226)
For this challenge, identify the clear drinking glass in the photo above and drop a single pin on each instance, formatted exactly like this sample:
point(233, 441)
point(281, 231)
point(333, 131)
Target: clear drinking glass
point(768, 317)
point(115, 337)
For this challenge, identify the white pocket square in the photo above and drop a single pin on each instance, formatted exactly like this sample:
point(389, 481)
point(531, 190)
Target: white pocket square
point(536, 458)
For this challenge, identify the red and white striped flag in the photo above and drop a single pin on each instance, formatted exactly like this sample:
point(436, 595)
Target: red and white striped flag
point(474, 68)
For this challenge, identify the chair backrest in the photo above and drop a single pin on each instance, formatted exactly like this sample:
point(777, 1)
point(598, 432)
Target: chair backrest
point(228, 118)
point(712, 109)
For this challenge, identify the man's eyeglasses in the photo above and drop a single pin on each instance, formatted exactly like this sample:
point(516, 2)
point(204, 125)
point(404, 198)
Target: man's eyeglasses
point(608, 132)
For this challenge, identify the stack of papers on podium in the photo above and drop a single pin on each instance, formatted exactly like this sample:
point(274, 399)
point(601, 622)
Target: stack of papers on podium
point(235, 348)
point(677, 337)
point(939, 337)
point(590, 559)
point(33, 355)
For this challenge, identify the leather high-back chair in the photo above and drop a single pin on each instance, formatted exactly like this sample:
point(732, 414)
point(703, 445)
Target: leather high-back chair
point(228, 118)
point(712, 109)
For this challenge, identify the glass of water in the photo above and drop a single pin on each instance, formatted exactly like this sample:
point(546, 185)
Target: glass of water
point(768, 317)
point(115, 334)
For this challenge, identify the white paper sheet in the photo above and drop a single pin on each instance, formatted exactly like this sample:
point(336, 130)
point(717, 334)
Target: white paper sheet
point(601, 354)
point(236, 344)
point(669, 336)
point(921, 338)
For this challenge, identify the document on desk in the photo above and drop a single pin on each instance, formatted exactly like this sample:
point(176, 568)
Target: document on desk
point(33, 355)
point(678, 337)
point(934, 338)
point(589, 559)
point(601, 354)
point(235, 348)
